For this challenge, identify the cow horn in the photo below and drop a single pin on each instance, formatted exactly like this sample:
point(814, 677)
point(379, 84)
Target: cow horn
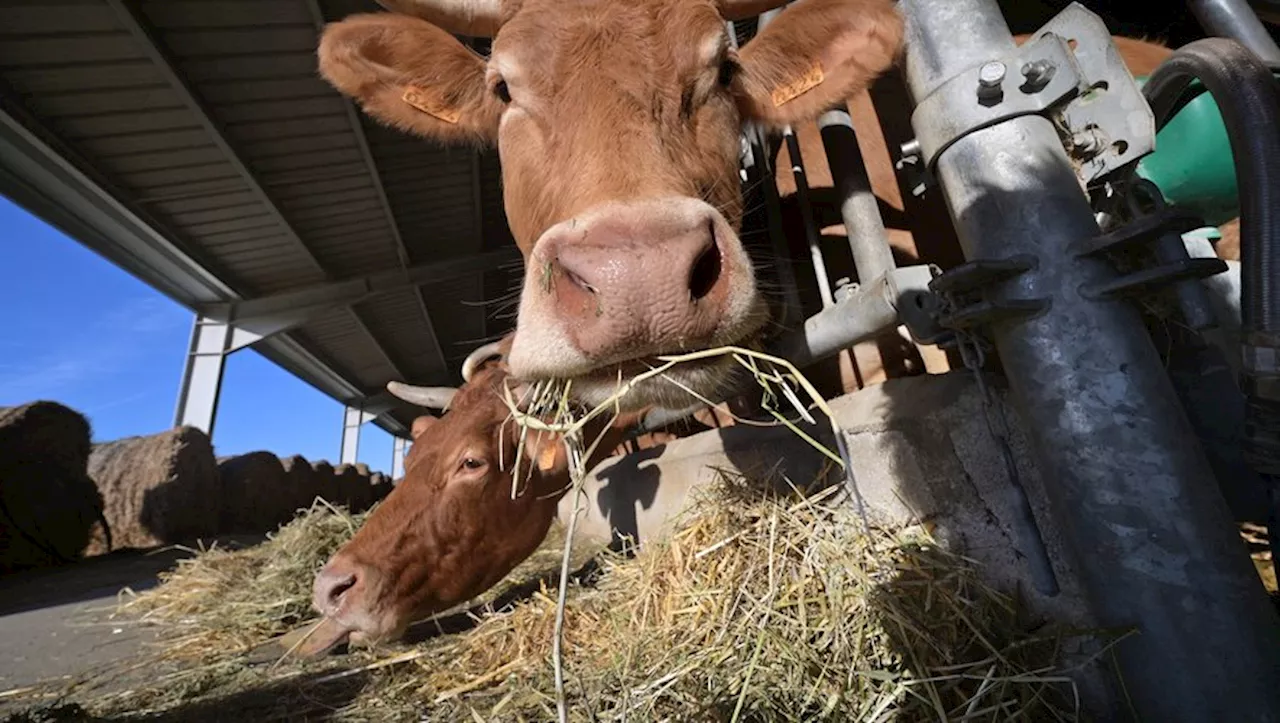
point(743, 9)
point(478, 357)
point(473, 18)
point(430, 397)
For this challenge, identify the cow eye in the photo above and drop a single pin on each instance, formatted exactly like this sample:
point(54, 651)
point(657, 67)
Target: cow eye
point(728, 68)
point(472, 463)
point(501, 90)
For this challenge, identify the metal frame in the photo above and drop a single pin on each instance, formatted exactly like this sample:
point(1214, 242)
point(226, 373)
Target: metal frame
point(133, 19)
point(353, 418)
point(1237, 20)
point(399, 447)
point(47, 180)
point(1128, 482)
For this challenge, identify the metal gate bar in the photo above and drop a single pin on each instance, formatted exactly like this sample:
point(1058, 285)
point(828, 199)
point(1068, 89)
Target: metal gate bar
point(1127, 480)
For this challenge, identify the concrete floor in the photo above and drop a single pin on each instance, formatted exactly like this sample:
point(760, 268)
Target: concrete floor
point(55, 624)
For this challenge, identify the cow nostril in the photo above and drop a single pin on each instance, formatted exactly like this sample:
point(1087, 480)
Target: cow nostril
point(705, 272)
point(339, 588)
point(577, 280)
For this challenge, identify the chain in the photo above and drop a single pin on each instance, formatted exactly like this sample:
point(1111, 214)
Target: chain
point(974, 358)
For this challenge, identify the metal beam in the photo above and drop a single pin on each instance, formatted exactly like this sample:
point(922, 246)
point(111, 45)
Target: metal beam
point(1127, 481)
point(399, 445)
point(47, 180)
point(1235, 19)
point(353, 291)
point(382, 352)
point(352, 419)
point(362, 143)
point(202, 375)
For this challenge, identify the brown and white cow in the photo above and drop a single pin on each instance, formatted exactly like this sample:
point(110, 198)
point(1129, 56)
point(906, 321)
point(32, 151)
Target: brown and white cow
point(451, 529)
point(617, 123)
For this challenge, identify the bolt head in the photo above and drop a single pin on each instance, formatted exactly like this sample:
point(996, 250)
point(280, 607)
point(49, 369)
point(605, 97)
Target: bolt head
point(991, 74)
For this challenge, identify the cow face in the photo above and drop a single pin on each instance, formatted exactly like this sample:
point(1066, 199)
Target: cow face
point(451, 529)
point(618, 126)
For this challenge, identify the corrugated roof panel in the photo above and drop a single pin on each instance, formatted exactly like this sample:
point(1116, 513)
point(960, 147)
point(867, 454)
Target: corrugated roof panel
point(243, 40)
point(397, 320)
point(252, 64)
point(161, 178)
point(57, 50)
point(75, 127)
point(173, 158)
point(80, 78)
point(299, 205)
point(184, 14)
point(340, 335)
point(110, 100)
point(209, 202)
point(124, 145)
point(223, 213)
point(264, 65)
point(337, 155)
point(51, 17)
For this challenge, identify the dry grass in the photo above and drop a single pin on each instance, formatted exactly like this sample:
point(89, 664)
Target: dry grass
point(756, 609)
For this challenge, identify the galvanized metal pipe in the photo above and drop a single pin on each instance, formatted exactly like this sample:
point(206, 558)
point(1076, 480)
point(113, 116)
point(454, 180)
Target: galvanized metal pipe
point(859, 208)
point(1128, 483)
point(1235, 19)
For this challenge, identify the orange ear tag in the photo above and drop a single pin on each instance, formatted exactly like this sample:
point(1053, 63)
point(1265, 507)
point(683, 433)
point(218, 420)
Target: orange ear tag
point(421, 99)
point(805, 83)
point(547, 457)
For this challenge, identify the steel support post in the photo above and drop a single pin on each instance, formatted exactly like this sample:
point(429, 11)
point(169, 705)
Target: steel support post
point(202, 375)
point(1128, 483)
point(1236, 20)
point(353, 418)
point(399, 446)
point(859, 208)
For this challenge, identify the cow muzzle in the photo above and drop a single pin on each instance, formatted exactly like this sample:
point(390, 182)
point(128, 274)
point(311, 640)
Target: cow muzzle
point(627, 281)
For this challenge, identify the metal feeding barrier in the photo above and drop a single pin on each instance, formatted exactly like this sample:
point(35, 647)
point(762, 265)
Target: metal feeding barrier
point(1066, 218)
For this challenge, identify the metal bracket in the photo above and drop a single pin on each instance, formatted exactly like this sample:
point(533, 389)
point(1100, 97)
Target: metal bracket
point(1111, 123)
point(989, 94)
point(1070, 72)
point(973, 293)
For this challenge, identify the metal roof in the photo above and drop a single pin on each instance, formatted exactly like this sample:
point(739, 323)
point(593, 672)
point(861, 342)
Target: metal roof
point(193, 143)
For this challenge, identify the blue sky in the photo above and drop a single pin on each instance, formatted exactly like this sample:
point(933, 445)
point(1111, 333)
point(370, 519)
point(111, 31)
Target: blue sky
point(79, 331)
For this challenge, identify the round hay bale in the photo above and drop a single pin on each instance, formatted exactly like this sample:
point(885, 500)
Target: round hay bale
point(159, 489)
point(353, 487)
point(48, 504)
point(299, 483)
point(255, 497)
point(381, 485)
point(324, 482)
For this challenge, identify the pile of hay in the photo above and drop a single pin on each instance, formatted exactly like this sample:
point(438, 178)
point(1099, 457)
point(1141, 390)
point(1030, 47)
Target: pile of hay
point(756, 609)
point(159, 489)
point(48, 504)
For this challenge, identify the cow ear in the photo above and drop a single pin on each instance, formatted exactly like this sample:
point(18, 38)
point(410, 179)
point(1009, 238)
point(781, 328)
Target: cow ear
point(411, 75)
point(814, 56)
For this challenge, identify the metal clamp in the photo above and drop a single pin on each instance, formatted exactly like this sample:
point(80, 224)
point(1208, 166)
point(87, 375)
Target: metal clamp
point(1069, 71)
point(988, 94)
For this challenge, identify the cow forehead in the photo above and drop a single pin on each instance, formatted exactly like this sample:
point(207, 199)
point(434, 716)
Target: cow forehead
point(556, 37)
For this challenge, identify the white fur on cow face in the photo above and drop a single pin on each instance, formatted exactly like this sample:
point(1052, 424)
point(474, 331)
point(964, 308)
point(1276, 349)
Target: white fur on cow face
point(543, 345)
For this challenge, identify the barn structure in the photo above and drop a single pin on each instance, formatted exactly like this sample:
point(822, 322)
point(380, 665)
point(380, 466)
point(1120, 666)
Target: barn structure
point(193, 143)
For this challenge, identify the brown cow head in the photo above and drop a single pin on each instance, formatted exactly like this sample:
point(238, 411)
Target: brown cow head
point(451, 529)
point(618, 126)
